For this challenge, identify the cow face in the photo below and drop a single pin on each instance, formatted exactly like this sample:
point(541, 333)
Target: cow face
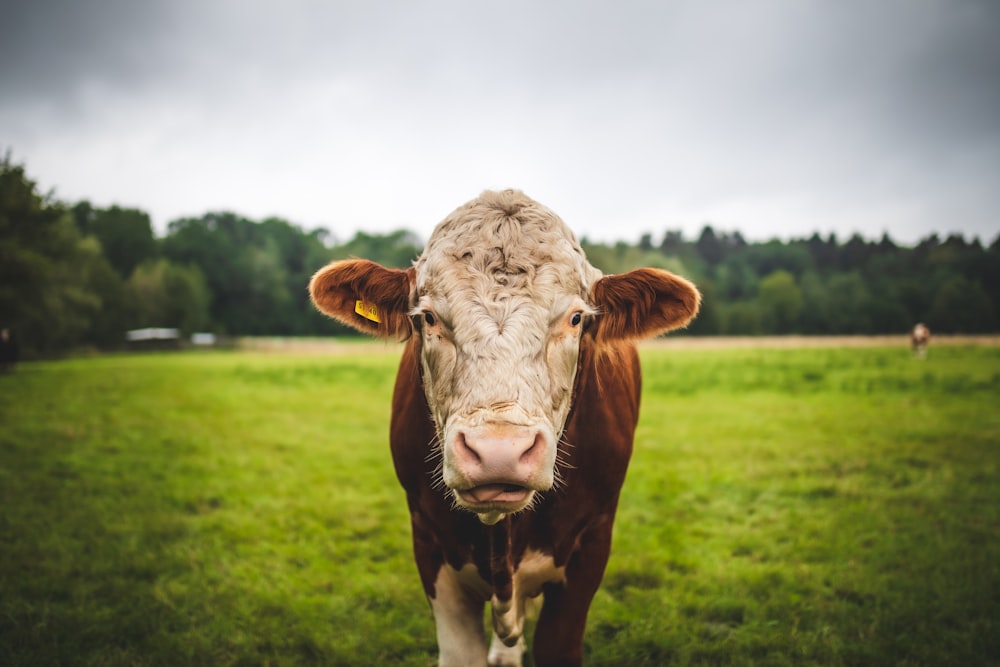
point(501, 299)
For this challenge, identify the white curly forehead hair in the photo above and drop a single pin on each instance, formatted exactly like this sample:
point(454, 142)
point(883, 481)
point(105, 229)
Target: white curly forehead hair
point(500, 244)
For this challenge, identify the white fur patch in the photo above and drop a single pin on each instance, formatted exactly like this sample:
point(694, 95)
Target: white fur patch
point(458, 616)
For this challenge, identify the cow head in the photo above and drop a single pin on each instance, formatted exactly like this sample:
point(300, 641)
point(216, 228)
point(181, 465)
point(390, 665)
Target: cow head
point(501, 300)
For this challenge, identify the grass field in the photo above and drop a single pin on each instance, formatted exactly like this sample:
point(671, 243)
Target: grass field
point(784, 507)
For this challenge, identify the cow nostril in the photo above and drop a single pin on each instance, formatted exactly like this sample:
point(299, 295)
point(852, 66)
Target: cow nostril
point(536, 445)
point(463, 446)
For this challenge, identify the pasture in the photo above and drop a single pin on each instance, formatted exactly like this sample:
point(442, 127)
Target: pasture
point(820, 506)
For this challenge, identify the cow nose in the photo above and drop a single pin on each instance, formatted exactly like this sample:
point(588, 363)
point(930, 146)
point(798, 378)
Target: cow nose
point(507, 455)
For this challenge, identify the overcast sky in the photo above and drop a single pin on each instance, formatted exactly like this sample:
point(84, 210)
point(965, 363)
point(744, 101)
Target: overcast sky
point(772, 117)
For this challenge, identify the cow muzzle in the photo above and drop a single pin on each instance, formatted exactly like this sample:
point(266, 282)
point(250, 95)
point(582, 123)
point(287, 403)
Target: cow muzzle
point(497, 468)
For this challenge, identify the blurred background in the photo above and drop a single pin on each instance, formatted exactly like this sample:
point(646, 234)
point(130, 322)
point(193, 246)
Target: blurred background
point(817, 168)
point(172, 173)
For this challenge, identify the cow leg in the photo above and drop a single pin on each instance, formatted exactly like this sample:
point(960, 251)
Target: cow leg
point(502, 655)
point(558, 637)
point(458, 618)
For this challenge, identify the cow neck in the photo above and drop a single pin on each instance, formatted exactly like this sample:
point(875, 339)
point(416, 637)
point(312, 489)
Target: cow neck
point(418, 351)
point(581, 359)
point(501, 559)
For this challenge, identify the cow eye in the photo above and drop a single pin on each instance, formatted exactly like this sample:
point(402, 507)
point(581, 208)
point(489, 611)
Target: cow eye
point(576, 319)
point(429, 318)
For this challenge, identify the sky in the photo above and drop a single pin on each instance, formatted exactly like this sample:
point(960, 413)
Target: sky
point(774, 118)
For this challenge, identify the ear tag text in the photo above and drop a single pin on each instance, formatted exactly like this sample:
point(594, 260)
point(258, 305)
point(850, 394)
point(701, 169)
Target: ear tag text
point(369, 311)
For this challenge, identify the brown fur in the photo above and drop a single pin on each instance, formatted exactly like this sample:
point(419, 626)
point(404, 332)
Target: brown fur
point(643, 303)
point(573, 523)
point(336, 287)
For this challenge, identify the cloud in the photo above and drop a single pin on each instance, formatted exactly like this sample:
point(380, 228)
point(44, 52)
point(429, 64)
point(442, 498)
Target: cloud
point(776, 117)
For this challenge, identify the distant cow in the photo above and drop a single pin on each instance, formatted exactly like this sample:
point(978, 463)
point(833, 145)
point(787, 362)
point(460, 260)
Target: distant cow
point(513, 414)
point(920, 337)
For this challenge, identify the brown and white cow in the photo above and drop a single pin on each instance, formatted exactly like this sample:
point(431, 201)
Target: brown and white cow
point(920, 338)
point(513, 414)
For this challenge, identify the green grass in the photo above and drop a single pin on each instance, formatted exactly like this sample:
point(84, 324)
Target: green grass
point(784, 507)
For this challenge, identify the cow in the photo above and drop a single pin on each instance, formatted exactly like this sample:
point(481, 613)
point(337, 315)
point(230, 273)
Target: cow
point(513, 414)
point(920, 338)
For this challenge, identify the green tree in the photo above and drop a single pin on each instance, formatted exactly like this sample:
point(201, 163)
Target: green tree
point(396, 250)
point(780, 302)
point(741, 318)
point(46, 289)
point(823, 253)
point(257, 273)
point(218, 243)
point(886, 313)
point(126, 235)
point(848, 304)
point(117, 305)
point(737, 280)
point(709, 320)
point(766, 258)
point(855, 253)
point(710, 247)
point(672, 243)
point(962, 306)
point(169, 295)
point(815, 316)
point(300, 254)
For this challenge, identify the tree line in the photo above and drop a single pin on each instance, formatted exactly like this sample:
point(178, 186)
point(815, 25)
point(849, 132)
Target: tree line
point(75, 275)
point(820, 286)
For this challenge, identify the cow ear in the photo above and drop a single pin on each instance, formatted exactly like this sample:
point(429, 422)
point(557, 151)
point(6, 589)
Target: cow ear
point(365, 295)
point(643, 303)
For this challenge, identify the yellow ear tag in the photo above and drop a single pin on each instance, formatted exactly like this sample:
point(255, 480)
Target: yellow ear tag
point(369, 311)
